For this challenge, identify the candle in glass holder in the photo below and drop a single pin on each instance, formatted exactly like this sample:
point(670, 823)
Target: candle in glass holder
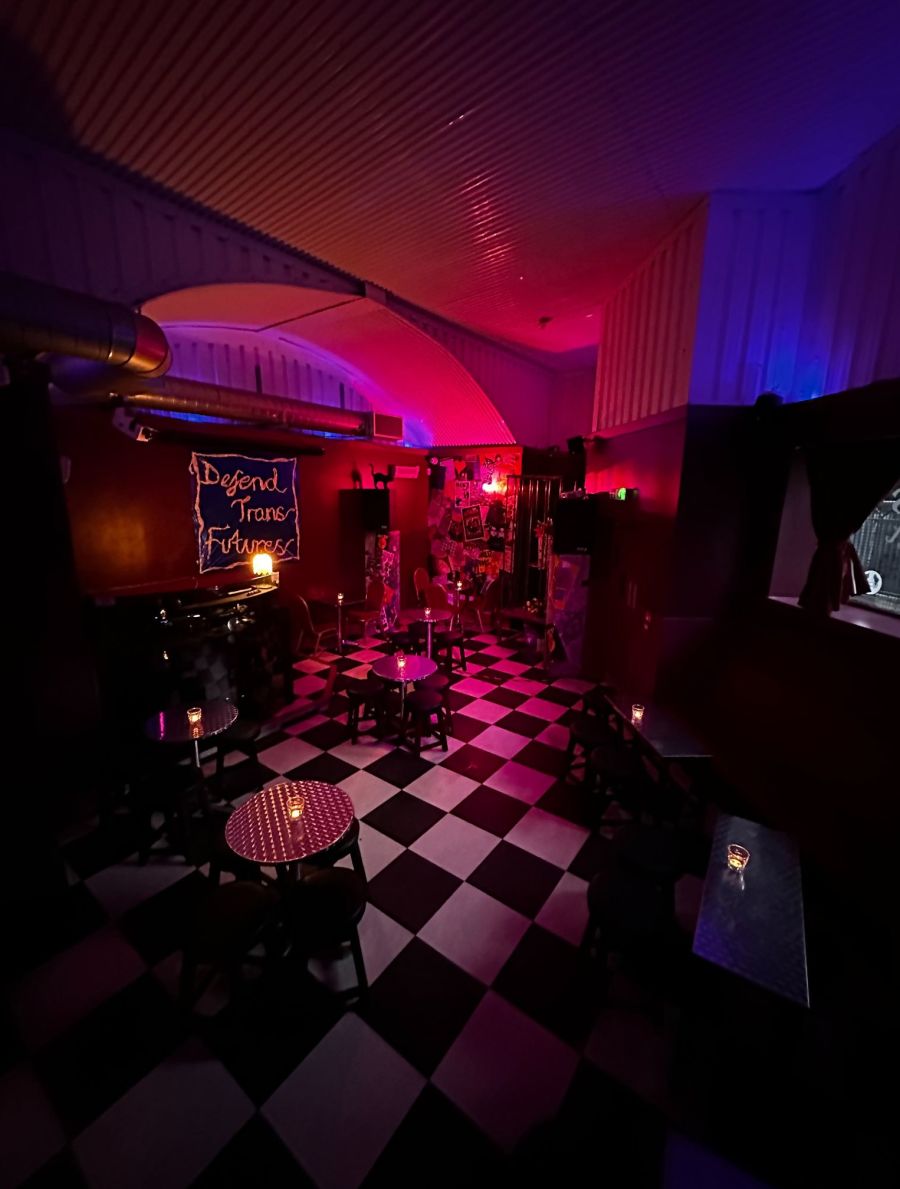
point(195, 715)
point(428, 613)
point(637, 714)
point(262, 566)
point(737, 857)
point(340, 597)
point(295, 803)
point(401, 661)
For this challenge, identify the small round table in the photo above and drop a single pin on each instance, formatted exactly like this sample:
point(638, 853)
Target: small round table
point(415, 669)
point(174, 726)
point(263, 830)
point(438, 615)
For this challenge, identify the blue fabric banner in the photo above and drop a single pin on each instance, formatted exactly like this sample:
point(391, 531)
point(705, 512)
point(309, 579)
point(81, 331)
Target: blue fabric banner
point(244, 506)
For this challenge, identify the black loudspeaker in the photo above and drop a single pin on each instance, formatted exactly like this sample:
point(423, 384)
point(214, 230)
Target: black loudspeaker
point(373, 508)
point(575, 525)
point(579, 460)
point(436, 476)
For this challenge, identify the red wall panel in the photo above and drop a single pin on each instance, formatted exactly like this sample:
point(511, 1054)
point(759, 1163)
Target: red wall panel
point(131, 516)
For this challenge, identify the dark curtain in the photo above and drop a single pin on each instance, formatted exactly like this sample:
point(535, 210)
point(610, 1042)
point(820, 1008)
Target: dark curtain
point(846, 482)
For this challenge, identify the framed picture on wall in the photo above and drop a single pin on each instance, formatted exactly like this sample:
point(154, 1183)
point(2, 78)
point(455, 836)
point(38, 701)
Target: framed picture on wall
point(473, 529)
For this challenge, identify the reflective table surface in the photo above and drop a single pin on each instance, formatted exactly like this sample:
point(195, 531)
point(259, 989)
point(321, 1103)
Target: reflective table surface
point(751, 921)
point(263, 830)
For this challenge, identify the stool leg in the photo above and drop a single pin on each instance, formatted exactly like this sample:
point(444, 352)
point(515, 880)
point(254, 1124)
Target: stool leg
point(353, 722)
point(570, 753)
point(441, 729)
point(359, 964)
point(462, 656)
point(418, 734)
point(357, 862)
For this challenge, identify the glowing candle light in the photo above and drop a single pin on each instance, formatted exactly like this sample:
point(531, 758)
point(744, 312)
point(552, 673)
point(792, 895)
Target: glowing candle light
point(340, 597)
point(195, 715)
point(737, 857)
point(637, 714)
point(262, 565)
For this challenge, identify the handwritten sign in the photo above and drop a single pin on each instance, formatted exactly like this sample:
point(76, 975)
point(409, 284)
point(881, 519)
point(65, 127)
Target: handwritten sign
point(244, 506)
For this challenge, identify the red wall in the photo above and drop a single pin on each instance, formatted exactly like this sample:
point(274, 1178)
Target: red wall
point(131, 517)
point(629, 586)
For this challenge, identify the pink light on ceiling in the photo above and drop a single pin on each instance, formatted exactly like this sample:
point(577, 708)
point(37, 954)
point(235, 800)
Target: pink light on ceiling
point(400, 368)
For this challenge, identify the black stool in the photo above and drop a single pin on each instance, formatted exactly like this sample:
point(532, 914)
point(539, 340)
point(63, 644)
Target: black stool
point(628, 914)
point(446, 641)
point(424, 707)
point(365, 698)
point(439, 683)
point(228, 923)
point(324, 910)
point(587, 732)
point(348, 845)
point(400, 640)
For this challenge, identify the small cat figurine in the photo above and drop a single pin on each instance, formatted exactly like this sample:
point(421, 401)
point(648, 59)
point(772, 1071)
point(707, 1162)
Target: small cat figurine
point(380, 479)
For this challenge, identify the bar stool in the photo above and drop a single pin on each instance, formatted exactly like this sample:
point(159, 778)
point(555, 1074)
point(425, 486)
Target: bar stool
point(628, 914)
point(424, 714)
point(439, 683)
point(587, 732)
point(365, 698)
point(228, 923)
point(400, 640)
point(446, 641)
point(348, 845)
point(324, 910)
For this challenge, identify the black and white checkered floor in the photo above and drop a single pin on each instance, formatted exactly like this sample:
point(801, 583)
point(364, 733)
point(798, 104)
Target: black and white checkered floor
point(480, 1051)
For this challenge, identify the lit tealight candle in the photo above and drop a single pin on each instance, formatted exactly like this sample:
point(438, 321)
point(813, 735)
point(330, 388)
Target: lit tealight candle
point(737, 857)
point(401, 661)
point(195, 715)
point(295, 805)
point(340, 597)
point(637, 714)
point(262, 565)
point(428, 613)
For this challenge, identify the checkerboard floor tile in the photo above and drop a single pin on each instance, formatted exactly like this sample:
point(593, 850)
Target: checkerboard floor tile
point(482, 1047)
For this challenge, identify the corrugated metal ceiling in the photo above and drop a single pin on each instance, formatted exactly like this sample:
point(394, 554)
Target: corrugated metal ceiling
point(495, 162)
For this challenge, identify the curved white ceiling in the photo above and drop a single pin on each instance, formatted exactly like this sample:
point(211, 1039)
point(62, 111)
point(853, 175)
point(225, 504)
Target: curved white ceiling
point(392, 363)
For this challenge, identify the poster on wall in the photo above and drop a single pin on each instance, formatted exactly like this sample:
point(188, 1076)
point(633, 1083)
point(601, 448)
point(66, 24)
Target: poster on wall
point(244, 506)
point(473, 529)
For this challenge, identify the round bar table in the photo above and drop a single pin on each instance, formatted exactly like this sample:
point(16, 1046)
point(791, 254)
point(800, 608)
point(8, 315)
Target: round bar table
point(415, 668)
point(173, 726)
point(438, 615)
point(288, 822)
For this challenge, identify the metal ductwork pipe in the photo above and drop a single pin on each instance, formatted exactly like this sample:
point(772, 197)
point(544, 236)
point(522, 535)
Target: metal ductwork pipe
point(80, 332)
point(40, 319)
point(174, 395)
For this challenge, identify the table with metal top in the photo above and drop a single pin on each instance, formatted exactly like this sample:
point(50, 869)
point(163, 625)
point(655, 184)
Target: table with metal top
point(288, 822)
point(413, 668)
point(175, 726)
point(660, 729)
point(751, 921)
point(430, 617)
